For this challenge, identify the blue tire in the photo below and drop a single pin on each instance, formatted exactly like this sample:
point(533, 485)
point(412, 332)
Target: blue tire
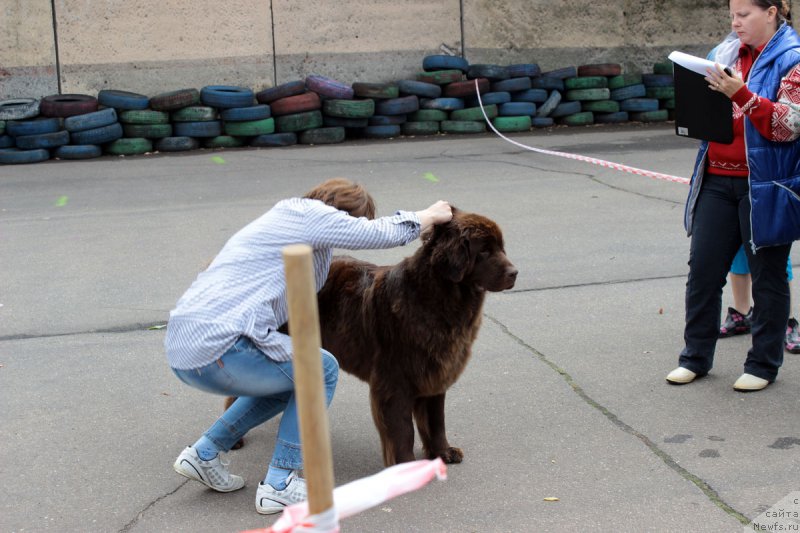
point(329, 87)
point(638, 105)
point(43, 140)
point(443, 62)
point(382, 132)
point(14, 156)
point(177, 144)
point(547, 83)
point(78, 151)
point(6, 141)
point(490, 72)
point(292, 88)
point(419, 88)
point(238, 114)
point(443, 104)
point(226, 96)
point(549, 105)
point(631, 91)
point(122, 99)
point(208, 128)
point(566, 108)
point(274, 139)
point(101, 135)
point(537, 96)
point(658, 80)
point(562, 73)
point(89, 121)
point(542, 122)
point(495, 98)
point(18, 128)
point(524, 69)
point(397, 106)
point(611, 118)
point(512, 109)
point(386, 120)
point(512, 85)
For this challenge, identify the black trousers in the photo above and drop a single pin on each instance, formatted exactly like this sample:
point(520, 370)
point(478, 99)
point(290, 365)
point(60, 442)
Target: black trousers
point(721, 224)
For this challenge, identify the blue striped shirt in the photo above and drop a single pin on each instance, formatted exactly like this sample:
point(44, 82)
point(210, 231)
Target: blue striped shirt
point(243, 291)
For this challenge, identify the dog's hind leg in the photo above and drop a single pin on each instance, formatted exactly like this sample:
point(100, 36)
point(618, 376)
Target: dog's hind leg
point(429, 415)
point(392, 417)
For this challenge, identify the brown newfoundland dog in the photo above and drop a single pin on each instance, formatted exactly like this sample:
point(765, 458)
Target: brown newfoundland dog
point(407, 329)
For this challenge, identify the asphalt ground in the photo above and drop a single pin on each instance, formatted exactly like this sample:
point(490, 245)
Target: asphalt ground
point(564, 398)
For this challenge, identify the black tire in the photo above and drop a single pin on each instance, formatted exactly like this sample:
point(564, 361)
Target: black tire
point(566, 108)
point(375, 90)
point(18, 128)
point(511, 85)
point(177, 144)
point(419, 88)
point(67, 105)
point(349, 108)
point(42, 140)
point(122, 99)
point(226, 96)
point(89, 121)
point(144, 116)
point(473, 113)
point(78, 151)
point(172, 100)
point(238, 114)
point(148, 131)
point(440, 77)
point(332, 135)
point(250, 128)
point(530, 70)
point(274, 139)
point(430, 127)
point(397, 106)
point(537, 96)
point(547, 83)
point(329, 87)
point(382, 132)
point(630, 91)
point(19, 108)
point(194, 113)
point(549, 105)
point(490, 72)
point(462, 126)
point(292, 88)
point(298, 122)
point(208, 128)
point(611, 118)
point(387, 120)
point(444, 62)
point(223, 141)
point(130, 146)
point(14, 156)
point(513, 109)
point(330, 122)
point(101, 135)
point(443, 104)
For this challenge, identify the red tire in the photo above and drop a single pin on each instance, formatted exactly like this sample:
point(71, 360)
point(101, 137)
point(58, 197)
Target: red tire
point(296, 104)
point(600, 69)
point(460, 89)
point(67, 105)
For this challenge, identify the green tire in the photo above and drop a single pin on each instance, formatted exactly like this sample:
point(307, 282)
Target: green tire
point(130, 146)
point(669, 103)
point(600, 106)
point(661, 115)
point(473, 113)
point(298, 121)
point(194, 113)
point(588, 94)
point(584, 118)
point(586, 82)
point(331, 135)
point(148, 131)
point(144, 116)
point(376, 90)
point(421, 127)
point(428, 115)
point(2, 127)
point(624, 80)
point(462, 126)
point(349, 108)
point(661, 93)
point(440, 77)
point(250, 128)
point(223, 141)
point(663, 68)
point(512, 124)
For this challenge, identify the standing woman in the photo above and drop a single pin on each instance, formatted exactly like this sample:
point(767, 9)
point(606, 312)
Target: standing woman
point(746, 192)
point(223, 336)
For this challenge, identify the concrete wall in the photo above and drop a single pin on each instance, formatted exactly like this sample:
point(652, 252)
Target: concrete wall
point(151, 46)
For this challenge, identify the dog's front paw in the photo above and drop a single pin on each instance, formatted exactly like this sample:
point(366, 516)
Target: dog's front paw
point(451, 455)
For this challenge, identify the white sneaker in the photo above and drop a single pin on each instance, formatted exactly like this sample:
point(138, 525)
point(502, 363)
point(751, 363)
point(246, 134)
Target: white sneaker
point(681, 376)
point(750, 383)
point(213, 474)
point(270, 500)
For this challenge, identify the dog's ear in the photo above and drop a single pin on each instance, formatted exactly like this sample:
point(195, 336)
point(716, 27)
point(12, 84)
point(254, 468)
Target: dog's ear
point(451, 251)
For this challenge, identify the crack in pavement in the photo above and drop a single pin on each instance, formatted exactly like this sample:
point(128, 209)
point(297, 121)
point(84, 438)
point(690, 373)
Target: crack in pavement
point(704, 487)
point(130, 525)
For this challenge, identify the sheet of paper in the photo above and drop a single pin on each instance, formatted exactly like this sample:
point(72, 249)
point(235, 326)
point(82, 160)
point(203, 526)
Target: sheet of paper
point(693, 63)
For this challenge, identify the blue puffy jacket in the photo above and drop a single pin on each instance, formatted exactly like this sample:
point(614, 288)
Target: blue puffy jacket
point(774, 166)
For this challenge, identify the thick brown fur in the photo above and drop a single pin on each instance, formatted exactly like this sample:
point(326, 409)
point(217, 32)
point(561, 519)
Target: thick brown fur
point(408, 329)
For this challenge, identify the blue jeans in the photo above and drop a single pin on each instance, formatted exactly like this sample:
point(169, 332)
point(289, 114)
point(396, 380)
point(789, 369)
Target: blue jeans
point(721, 226)
point(264, 388)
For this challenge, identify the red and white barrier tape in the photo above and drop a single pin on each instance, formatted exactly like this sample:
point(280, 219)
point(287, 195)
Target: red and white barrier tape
point(586, 159)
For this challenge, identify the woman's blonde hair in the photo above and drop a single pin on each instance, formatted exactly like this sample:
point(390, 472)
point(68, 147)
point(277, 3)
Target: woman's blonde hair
point(344, 195)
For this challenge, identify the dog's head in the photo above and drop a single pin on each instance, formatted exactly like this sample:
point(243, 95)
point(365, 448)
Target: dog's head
point(470, 249)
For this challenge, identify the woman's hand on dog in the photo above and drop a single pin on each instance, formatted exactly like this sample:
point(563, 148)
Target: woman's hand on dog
point(438, 213)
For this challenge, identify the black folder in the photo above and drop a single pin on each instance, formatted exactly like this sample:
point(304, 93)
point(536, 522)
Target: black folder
point(701, 113)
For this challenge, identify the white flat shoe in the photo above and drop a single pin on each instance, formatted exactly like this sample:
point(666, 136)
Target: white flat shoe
point(750, 383)
point(681, 376)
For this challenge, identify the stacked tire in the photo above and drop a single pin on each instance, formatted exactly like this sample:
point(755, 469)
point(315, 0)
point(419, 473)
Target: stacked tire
point(660, 85)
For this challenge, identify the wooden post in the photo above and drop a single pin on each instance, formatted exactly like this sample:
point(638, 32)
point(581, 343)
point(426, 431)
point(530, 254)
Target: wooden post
point(309, 387)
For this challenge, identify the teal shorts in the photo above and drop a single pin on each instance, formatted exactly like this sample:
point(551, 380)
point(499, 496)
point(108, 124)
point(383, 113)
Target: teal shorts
point(740, 266)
